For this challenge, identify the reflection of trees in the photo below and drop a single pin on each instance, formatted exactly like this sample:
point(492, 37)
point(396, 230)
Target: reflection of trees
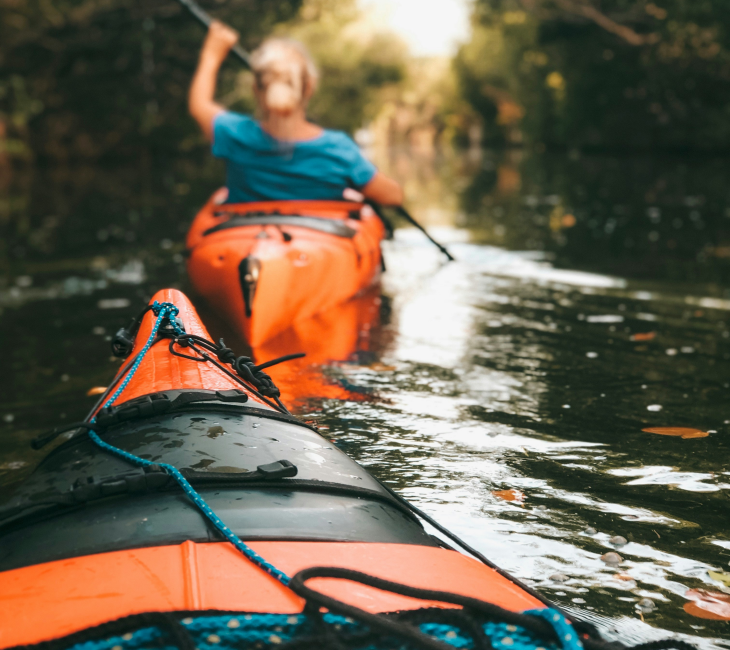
point(59, 218)
point(639, 217)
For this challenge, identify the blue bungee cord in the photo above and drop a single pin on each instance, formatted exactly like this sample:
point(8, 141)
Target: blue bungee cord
point(170, 311)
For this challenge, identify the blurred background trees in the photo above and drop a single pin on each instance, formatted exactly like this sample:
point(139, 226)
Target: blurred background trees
point(95, 78)
point(603, 74)
point(89, 79)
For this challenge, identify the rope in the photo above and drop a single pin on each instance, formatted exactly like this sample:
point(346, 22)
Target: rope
point(248, 374)
point(170, 311)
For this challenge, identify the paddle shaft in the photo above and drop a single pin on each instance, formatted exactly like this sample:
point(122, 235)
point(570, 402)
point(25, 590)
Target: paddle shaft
point(406, 215)
point(204, 18)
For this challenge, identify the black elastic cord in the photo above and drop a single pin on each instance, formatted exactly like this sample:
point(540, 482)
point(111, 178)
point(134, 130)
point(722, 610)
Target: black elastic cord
point(278, 360)
point(277, 405)
point(249, 375)
point(488, 610)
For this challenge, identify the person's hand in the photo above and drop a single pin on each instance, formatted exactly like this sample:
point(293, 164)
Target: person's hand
point(221, 38)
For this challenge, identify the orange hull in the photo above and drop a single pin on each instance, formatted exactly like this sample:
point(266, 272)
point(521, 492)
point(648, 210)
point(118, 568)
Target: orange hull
point(49, 599)
point(297, 266)
point(55, 599)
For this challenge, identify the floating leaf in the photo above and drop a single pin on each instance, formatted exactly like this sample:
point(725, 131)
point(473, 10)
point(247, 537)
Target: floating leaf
point(708, 604)
point(643, 336)
point(695, 434)
point(568, 221)
point(510, 495)
point(720, 576)
point(623, 576)
point(681, 432)
point(381, 367)
point(96, 390)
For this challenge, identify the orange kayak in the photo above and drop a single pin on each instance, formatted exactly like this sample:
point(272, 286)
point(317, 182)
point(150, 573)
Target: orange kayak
point(121, 544)
point(195, 511)
point(264, 266)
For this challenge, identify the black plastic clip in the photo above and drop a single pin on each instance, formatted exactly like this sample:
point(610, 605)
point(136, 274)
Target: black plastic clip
point(278, 469)
point(122, 343)
point(142, 407)
point(231, 395)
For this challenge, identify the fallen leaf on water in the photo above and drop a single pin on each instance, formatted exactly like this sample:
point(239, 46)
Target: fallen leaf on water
point(708, 604)
point(643, 336)
point(96, 390)
point(568, 221)
point(381, 367)
point(623, 576)
point(681, 432)
point(510, 495)
point(695, 434)
point(720, 576)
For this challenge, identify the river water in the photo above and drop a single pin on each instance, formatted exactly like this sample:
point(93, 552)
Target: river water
point(505, 394)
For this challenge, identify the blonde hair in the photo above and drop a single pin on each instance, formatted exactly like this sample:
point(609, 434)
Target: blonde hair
point(285, 74)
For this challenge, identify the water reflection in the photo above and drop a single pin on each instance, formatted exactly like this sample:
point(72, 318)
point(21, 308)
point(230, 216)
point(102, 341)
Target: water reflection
point(532, 364)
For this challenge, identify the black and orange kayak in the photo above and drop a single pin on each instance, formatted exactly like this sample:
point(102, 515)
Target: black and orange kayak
point(264, 266)
point(192, 510)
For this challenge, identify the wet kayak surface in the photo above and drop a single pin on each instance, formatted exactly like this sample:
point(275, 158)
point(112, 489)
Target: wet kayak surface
point(557, 396)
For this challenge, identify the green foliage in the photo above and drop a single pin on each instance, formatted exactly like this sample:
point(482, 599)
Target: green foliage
point(615, 74)
point(89, 78)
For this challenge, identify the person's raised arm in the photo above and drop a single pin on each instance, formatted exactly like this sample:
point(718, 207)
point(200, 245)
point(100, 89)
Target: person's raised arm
point(384, 190)
point(201, 98)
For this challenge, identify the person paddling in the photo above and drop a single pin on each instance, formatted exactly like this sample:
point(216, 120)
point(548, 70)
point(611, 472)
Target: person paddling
point(281, 155)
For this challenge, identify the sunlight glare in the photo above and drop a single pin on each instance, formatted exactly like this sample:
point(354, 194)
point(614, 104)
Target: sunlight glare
point(429, 27)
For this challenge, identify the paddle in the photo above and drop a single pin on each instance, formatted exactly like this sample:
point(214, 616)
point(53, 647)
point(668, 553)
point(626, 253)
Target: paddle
point(204, 18)
point(407, 216)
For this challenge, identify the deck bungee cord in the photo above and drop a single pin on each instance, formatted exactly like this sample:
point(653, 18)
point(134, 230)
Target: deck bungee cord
point(168, 312)
point(248, 373)
point(326, 622)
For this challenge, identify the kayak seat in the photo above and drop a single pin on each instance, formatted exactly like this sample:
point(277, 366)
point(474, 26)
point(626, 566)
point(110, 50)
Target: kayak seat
point(335, 227)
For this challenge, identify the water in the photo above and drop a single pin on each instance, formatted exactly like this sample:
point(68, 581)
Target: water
point(588, 302)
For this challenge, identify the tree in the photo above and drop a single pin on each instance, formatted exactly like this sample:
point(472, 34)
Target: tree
point(90, 78)
point(611, 74)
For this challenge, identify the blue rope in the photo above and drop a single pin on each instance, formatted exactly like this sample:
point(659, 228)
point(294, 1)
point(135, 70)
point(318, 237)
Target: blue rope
point(163, 310)
point(566, 633)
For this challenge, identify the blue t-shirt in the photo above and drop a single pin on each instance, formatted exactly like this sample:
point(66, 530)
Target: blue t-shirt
point(262, 168)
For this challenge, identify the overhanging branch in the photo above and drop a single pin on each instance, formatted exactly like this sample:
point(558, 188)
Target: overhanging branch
point(585, 9)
